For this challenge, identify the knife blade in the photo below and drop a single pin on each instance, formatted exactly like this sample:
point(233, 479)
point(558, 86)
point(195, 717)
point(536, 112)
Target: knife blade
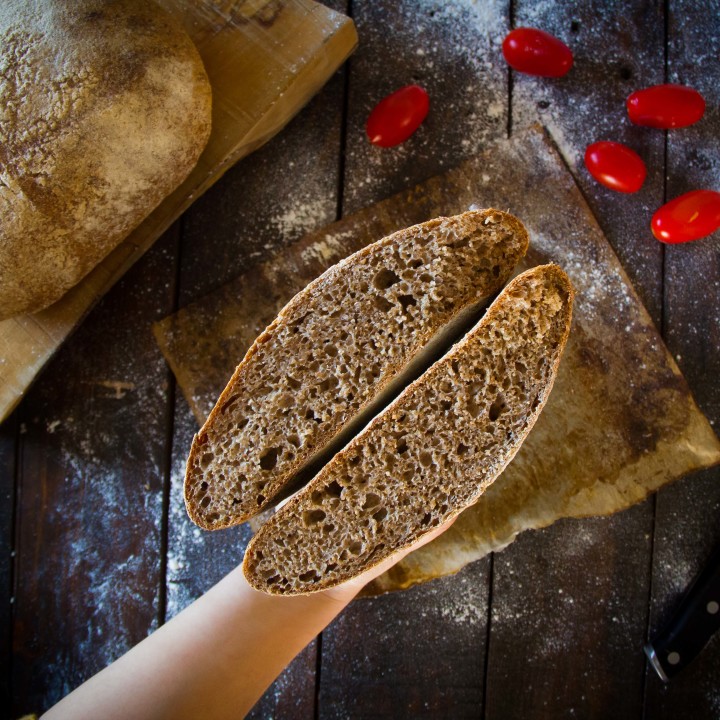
point(694, 622)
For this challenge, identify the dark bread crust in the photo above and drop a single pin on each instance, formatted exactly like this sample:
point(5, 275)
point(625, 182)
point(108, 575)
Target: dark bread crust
point(334, 349)
point(430, 454)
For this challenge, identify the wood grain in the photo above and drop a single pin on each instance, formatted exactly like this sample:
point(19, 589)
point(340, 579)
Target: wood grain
point(92, 470)
point(418, 654)
point(687, 524)
point(8, 476)
point(615, 47)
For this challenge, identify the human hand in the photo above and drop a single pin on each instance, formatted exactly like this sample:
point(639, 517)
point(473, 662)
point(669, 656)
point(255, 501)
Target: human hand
point(347, 590)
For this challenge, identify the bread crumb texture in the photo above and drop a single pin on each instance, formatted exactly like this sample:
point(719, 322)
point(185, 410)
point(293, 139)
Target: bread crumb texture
point(104, 110)
point(333, 349)
point(430, 454)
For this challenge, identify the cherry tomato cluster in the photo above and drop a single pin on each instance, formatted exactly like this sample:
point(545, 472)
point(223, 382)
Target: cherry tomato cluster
point(614, 165)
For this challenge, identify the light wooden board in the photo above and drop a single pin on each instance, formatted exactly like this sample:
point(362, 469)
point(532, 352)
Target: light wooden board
point(265, 60)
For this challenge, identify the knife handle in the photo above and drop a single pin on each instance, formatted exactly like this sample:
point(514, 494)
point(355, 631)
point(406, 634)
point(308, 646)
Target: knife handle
point(695, 621)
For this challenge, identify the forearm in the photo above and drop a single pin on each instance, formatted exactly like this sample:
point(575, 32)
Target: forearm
point(215, 659)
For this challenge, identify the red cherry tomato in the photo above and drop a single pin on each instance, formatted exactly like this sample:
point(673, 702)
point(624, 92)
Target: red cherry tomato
point(666, 106)
point(396, 117)
point(688, 217)
point(616, 166)
point(537, 53)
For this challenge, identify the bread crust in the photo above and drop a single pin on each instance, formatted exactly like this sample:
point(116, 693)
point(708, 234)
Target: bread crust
point(289, 528)
point(507, 250)
point(105, 107)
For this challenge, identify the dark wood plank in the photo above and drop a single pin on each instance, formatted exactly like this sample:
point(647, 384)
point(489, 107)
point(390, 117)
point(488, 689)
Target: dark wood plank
point(415, 654)
point(269, 199)
point(567, 623)
point(8, 467)
point(451, 50)
point(617, 48)
point(405, 655)
point(91, 476)
point(688, 514)
point(570, 602)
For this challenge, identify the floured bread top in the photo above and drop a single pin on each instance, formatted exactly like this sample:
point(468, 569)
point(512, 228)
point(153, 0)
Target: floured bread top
point(433, 451)
point(104, 109)
point(333, 350)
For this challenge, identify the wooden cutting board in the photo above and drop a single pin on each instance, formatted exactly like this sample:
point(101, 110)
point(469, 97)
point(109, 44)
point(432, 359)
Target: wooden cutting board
point(265, 60)
point(620, 422)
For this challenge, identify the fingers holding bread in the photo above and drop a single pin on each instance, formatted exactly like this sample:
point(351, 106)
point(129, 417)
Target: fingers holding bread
point(430, 453)
point(345, 387)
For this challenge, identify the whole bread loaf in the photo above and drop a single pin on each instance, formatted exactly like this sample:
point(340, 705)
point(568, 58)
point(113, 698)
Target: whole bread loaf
point(353, 335)
point(430, 454)
point(104, 110)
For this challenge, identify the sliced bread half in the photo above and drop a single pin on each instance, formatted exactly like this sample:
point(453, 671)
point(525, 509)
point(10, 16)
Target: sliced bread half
point(354, 334)
point(430, 454)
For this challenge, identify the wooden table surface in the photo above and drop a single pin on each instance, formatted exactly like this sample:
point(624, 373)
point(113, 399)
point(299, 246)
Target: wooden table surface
point(97, 551)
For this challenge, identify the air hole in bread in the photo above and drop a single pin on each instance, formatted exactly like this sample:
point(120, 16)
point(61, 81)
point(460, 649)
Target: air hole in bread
point(461, 449)
point(331, 350)
point(427, 517)
point(328, 383)
point(425, 459)
point(205, 501)
point(382, 303)
point(406, 301)
point(309, 576)
point(229, 403)
point(269, 458)
point(313, 517)
point(380, 515)
point(497, 408)
point(355, 547)
point(203, 485)
point(401, 446)
point(206, 459)
point(296, 325)
point(371, 500)
point(293, 383)
point(415, 263)
point(334, 489)
point(260, 499)
point(384, 279)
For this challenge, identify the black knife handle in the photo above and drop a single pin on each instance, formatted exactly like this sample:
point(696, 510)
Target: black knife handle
point(695, 621)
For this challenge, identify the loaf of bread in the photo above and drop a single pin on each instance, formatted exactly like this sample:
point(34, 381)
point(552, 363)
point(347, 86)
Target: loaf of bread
point(430, 454)
point(336, 350)
point(104, 109)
